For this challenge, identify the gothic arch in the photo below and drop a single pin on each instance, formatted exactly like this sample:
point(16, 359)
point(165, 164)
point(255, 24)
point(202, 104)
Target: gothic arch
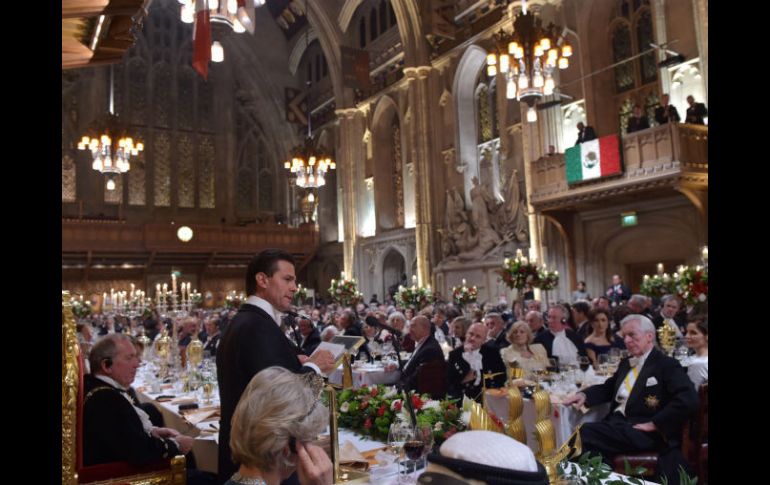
point(386, 114)
point(393, 264)
point(464, 89)
point(299, 48)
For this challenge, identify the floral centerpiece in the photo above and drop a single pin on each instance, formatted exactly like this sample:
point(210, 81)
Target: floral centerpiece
point(344, 292)
point(548, 279)
point(657, 285)
point(371, 410)
point(413, 296)
point(463, 295)
point(81, 309)
point(692, 284)
point(517, 273)
point(300, 295)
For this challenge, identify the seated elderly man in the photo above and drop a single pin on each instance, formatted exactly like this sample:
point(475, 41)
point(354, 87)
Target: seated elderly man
point(535, 321)
point(426, 350)
point(560, 341)
point(496, 327)
point(329, 333)
point(651, 398)
point(114, 429)
point(670, 315)
point(640, 305)
point(469, 363)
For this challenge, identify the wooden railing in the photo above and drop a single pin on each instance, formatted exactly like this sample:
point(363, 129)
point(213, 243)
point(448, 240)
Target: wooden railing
point(649, 156)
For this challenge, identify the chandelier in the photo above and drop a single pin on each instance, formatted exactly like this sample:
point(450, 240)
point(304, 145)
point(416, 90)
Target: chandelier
point(527, 59)
point(235, 14)
point(308, 163)
point(110, 145)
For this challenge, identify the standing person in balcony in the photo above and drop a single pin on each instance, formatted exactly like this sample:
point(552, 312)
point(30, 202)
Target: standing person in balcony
point(585, 133)
point(666, 112)
point(637, 121)
point(696, 112)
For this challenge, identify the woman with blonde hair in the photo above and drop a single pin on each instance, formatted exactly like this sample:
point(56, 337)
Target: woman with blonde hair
point(522, 350)
point(277, 416)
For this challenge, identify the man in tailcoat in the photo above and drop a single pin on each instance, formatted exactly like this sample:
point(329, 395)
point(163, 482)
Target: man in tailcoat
point(253, 340)
point(426, 350)
point(651, 398)
point(469, 363)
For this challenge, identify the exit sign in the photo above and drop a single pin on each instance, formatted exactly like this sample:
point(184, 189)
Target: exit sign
point(628, 219)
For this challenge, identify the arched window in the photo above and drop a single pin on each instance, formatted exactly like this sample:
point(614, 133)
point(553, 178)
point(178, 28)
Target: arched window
point(383, 16)
point(622, 49)
point(647, 65)
point(373, 24)
point(632, 34)
point(362, 33)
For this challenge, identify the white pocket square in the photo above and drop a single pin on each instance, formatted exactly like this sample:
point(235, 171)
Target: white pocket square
point(651, 381)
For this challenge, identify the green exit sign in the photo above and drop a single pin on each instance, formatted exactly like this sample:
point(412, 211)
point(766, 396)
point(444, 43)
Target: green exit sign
point(628, 219)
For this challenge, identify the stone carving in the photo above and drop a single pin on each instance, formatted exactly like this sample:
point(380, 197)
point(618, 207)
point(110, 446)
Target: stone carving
point(483, 230)
point(398, 177)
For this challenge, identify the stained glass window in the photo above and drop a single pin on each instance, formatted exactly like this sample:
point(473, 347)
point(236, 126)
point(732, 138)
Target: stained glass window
point(206, 193)
point(648, 66)
point(162, 163)
point(185, 171)
point(622, 49)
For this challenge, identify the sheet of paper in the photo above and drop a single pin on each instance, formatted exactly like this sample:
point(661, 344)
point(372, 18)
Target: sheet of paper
point(336, 349)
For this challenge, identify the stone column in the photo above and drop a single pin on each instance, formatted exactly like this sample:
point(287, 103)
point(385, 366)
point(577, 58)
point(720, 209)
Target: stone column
point(530, 137)
point(351, 131)
point(700, 10)
point(423, 153)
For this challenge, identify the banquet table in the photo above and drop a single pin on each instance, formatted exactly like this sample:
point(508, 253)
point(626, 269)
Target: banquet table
point(367, 375)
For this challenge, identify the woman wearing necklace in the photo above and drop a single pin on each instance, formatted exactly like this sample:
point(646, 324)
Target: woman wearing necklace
point(697, 338)
point(529, 356)
point(601, 339)
point(277, 416)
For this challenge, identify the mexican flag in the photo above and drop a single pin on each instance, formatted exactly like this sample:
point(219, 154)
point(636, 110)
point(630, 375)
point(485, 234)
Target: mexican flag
point(593, 159)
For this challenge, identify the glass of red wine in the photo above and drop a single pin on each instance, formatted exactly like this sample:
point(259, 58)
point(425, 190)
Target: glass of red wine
point(416, 447)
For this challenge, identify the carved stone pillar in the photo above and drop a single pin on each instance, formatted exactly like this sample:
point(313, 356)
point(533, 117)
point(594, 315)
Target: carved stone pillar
point(423, 149)
point(530, 137)
point(351, 133)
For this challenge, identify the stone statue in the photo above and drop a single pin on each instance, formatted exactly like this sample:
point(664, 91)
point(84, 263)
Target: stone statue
point(482, 205)
point(512, 220)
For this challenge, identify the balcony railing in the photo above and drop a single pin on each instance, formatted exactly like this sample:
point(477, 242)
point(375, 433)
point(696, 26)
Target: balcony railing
point(661, 155)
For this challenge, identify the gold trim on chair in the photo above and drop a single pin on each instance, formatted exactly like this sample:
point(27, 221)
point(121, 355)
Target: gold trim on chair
point(515, 426)
point(69, 391)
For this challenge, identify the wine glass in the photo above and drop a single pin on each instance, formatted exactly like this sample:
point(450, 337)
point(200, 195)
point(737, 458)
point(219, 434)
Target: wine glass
point(604, 362)
point(414, 448)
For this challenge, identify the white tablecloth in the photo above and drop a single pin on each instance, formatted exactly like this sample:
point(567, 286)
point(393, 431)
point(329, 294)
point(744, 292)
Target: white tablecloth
point(205, 447)
point(367, 375)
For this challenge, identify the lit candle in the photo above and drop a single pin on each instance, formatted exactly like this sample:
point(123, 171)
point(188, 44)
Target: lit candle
point(414, 279)
point(157, 294)
point(660, 268)
point(646, 277)
point(463, 281)
point(173, 283)
point(704, 254)
point(104, 298)
point(507, 261)
point(519, 254)
point(132, 291)
point(342, 275)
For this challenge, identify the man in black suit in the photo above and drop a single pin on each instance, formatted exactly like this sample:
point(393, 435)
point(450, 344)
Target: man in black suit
point(253, 340)
point(651, 398)
point(311, 337)
point(640, 305)
point(214, 335)
point(426, 350)
point(666, 113)
point(618, 292)
point(696, 112)
point(496, 327)
point(638, 121)
point(535, 321)
point(560, 341)
point(440, 322)
point(670, 315)
point(114, 429)
point(469, 363)
point(585, 133)
point(580, 311)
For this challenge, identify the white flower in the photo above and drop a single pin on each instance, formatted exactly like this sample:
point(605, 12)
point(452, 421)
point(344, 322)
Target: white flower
point(432, 405)
point(466, 418)
point(391, 392)
point(393, 404)
point(702, 297)
point(438, 426)
point(345, 407)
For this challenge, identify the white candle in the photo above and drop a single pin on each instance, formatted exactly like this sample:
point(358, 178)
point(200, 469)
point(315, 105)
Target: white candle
point(660, 268)
point(173, 284)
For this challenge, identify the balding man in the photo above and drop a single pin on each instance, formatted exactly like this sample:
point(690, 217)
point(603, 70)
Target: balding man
point(640, 304)
point(560, 341)
point(496, 330)
point(426, 349)
point(535, 321)
point(469, 363)
point(651, 398)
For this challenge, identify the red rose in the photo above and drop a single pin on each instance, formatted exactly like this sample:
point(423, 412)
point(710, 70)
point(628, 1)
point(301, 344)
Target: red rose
point(416, 402)
point(368, 423)
point(397, 405)
point(374, 392)
point(381, 410)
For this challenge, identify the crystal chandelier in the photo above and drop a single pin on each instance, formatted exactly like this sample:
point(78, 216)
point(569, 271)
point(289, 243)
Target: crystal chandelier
point(110, 145)
point(235, 14)
point(527, 59)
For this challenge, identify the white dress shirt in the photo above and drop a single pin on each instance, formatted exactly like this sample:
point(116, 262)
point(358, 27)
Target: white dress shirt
point(563, 348)
point(623, 391)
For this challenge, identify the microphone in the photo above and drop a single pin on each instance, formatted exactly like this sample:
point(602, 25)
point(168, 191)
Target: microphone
point(373, 322)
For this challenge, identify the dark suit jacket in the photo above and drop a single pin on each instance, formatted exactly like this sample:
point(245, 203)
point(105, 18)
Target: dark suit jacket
point(212, 344)
point(587, 134)
point(251, 343)
point(500, 341)
point(696, 112)
point(636, 124)
point(407, 344)
point(428, 352)
point(664, 115)
point(310, 342)
point(458, 368)
point(668, 403)
point(112, 431)
point(618, 297)
point(546, 340)
point(585, 330)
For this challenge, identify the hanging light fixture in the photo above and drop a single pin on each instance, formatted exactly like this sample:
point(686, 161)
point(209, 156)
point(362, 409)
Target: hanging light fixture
point(309, 164)
point(527, 59)
point(109, 143)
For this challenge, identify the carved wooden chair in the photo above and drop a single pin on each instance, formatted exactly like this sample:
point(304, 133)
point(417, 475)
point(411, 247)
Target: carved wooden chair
point(166, 472)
